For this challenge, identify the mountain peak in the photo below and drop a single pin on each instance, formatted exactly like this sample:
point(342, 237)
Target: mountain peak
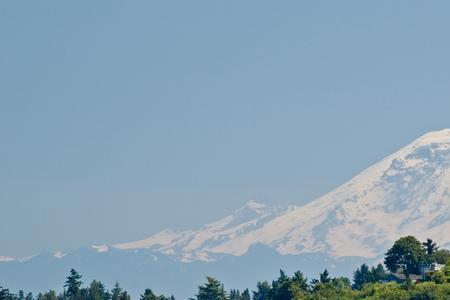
point(434, 137)
point(253, 205)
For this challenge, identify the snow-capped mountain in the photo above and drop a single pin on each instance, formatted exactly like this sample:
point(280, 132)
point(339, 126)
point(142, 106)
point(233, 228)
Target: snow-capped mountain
point(408, 192)
point(405, 193)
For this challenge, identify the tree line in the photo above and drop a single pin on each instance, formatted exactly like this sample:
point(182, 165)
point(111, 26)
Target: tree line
point(405, 257)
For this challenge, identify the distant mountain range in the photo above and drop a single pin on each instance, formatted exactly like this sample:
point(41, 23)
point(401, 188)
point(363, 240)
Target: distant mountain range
point(405, 193)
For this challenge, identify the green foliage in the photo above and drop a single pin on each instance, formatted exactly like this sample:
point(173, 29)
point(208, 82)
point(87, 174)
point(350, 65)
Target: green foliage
point(430, 247)
point(300, 281)
point(149, 295)
point(441, 256)
point(387, 291)
point(406, 255)
point(324, 277)
point(245, 295)
point(97, 291)
point(4, 294)
point(236, 295)
point(50, 295)
point(73, 284)
point(262, 291)
point(364, 275)
point(282, 288)
point(211, 290)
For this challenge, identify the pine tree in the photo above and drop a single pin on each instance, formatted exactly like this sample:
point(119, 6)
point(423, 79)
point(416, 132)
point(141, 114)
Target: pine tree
point(234, 295)
point(361, 276)
point(245, 295)
point(116, 292)
point(149, 295)
point(73, 284)
point(4, 293)
point(282, 288)
point(124, 296)
point(212, 290)
point(300, 281)
point(378, 273)
point(430, 247)
point(324, 277)
point(262, 291)
point(97, 291)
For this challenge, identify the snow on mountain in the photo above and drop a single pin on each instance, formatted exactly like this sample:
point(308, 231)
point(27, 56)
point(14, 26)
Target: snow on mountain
point(101, 248)
point(59, 254)
point(405, 193)
point(6, 258)
point(202, 244)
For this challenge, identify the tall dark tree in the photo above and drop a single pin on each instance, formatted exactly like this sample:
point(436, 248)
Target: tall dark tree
point(50, 295)
point(245, 295)
point(281, 288)
point(73, 284)
point(324, 277)
point(124, 296)
point(300, 281)
point(21, 295)
point(211, 290)
point(430, 248)
point(97, 291)
point(361, 276)
point(4, 294)
point(234, 295)
point(262, 291)
point(148, 295)
point(406, 255)
point(378, 273)
point(116, 292)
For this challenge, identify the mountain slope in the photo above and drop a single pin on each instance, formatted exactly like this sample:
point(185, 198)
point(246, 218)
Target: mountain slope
point(405, 193)
point(201, 244)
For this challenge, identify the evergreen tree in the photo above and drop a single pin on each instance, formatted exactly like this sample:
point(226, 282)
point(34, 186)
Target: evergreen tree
point(324, 277)
point(234, 295)
point(301, 281)
point(361, 276)
point(406, 254)
point(21, 295)
point(282, 288)
point(124, 296)
point(378, 273)
point(116, 292)
point(149, 295)
point(4, 294)
point(29, 296)
point(50, 295)
point(245, 295)
point(262, 291)
point(97, 291)
point(211, 290)
point(430, 247)
point(73, 284)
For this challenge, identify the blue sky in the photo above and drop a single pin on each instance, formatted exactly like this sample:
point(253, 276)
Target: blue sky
point(119, 118)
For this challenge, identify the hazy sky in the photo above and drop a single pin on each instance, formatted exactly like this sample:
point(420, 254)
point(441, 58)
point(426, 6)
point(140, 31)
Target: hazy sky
point(121, 118)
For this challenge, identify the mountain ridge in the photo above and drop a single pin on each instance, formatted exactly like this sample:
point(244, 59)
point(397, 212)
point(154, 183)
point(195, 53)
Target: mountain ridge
point(344, 222)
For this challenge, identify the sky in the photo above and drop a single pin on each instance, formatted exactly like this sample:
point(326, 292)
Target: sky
point(122, 118)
